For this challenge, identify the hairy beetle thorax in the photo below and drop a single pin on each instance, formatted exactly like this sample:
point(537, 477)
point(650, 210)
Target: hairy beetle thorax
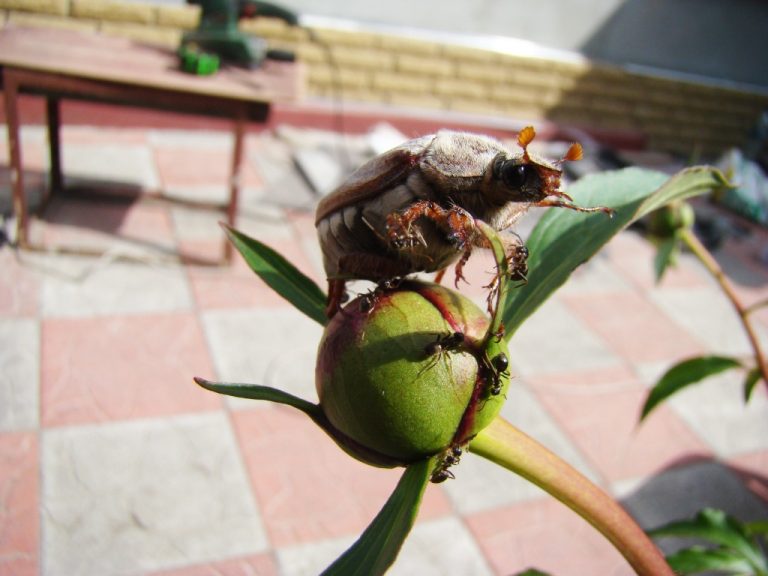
point(456, 162)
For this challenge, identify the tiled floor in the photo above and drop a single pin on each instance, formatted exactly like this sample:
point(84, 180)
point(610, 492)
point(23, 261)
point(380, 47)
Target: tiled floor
point(113, 462)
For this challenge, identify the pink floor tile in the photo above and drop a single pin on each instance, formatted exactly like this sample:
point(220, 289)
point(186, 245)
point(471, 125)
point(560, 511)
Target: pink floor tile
point(262, 565)
point(306, 487)
point(87, 222)
point(88, 135)
point(180, 167)
point(34, 155)
point(237, 286)
point(19, 514)
point(633, 256)
point(600, 415)
point(753, 468)
point(633, 327)
point(18, 287)
point(546, 535)
point(111, 368)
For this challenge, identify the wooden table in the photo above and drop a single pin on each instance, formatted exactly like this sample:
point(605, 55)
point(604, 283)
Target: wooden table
point(60, 65)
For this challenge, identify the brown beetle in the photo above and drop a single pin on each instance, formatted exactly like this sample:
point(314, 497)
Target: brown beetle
point(413, 209)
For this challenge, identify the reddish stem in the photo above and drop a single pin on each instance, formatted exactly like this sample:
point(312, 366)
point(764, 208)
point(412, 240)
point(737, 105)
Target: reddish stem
point(504, 444)
point(712, 266)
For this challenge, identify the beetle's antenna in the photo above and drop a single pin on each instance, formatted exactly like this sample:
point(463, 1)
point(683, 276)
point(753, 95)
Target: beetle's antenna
point(524, 138)
point(574, 152)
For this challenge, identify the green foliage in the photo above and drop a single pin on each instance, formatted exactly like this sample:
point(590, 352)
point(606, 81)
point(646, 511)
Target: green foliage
point(282, 276)
point(684, 374)
point(666, 253)
point(733, 546)
point(564, 239)
point(753, 377)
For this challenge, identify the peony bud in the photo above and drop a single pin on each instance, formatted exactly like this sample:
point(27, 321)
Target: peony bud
point(407, 373)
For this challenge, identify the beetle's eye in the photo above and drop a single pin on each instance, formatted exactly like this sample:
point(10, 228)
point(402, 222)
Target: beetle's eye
point(515, 175)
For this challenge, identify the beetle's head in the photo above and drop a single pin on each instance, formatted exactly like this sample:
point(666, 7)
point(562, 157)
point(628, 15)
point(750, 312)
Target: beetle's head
point(528, 178)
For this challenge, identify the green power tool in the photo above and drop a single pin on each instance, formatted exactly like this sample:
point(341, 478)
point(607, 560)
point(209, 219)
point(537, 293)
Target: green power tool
point(218, 39)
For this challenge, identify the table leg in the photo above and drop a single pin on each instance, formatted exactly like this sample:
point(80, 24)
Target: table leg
point(238, 132)
point(54, 142)
point(10, 89)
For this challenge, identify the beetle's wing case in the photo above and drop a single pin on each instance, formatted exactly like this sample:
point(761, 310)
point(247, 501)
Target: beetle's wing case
point(376, 176)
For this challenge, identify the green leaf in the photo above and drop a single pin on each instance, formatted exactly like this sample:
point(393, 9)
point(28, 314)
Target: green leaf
point(377, 548)
point(684, 374)
point(753, 377)
point(758, 528)
point(696, 559)
point(280, 275)
point(717, 527)
point(533, 572)
point(256, 392)
point(315, 412)
point(563, 239)
point(665, 256)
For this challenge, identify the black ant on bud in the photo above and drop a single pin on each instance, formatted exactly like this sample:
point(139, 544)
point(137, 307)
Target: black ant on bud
point(495, 368)
point(450, 457)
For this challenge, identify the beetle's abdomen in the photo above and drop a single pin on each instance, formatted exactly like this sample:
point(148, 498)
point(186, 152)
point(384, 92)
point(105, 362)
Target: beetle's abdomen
point(355, 242)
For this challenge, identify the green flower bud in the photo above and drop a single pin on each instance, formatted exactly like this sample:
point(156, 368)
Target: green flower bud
point(407, 373)
point(665, 222)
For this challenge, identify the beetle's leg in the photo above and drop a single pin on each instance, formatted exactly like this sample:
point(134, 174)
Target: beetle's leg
point(550, 203)
point(458, 270)
point(359, 265)
point(439, 276)
point(457, 222)
point(516, 254)
point(335, 297)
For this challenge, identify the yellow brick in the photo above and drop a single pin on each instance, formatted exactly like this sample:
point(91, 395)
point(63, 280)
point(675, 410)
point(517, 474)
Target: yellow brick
point(514, 93)
point(535, 78)
point(405, 45)
point(362, 58)
point(525, 95)
point(573, 68)
point(346, 38)
point(115, 11)
point(184, 16)
point(428, 65)
point(58, 7)
point(467, 53)
point(349, 95)
point(461, 89)
point(401, 83)
point(483, 72)
point(529, 112)
point(48, 21)
point(169, 37)
point(326, 75)
point(311, 53)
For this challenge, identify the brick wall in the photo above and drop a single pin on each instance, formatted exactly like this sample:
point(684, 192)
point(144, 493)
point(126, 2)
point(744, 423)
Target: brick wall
point(682, 117)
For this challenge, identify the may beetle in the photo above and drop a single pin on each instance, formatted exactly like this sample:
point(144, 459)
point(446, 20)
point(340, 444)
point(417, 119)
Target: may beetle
point(413, 209)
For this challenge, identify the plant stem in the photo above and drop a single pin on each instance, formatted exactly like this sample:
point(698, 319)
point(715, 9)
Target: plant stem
point(699, 250)
point(507, 446)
